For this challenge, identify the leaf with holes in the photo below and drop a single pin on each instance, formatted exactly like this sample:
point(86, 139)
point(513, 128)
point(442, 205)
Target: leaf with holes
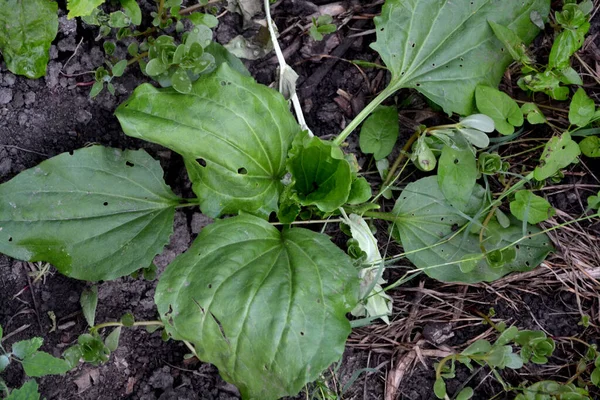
point(500, 107)
point(533, 114)
point(444, 49)
point(27, 28)
point(268, 308)
point(560, 151)
point(322, 176)
point(233, 133)
point(430, 231)
point(98, 214)
point(590, 146)
point(380, 132)
point(457, 173)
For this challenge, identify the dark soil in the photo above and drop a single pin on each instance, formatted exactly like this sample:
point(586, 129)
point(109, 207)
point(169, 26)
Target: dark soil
point(45, 117)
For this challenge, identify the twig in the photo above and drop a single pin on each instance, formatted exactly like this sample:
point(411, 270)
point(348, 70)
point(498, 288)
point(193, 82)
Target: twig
point(70, 58)
point(15, 332)
point(37, 314)
point(10, 146)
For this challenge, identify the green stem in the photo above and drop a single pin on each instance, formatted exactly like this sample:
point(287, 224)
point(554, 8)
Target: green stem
point(96, 328)
point(137, 58)
point(147, 32)
point(161, 8)
point(488, 320)
point(400, 158)
point(387, 92)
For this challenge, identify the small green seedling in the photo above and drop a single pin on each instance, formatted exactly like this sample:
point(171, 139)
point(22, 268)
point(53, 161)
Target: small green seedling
point(320, 26)
point(535, 346)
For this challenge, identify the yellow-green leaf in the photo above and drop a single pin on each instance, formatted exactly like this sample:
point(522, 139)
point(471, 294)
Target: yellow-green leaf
point(27, 28)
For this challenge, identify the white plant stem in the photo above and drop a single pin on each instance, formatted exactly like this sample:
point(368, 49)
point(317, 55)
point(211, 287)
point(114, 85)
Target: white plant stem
point(282, 66)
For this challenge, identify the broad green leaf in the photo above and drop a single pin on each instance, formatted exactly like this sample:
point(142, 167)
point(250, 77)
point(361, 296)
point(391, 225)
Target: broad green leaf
point(360, 191)
point(512, 360)
point(530, 207)
point(582, 108)
point(224, 56)
point(266, 307)
point(569, 76)
point(112, 340)
point(439, 388)
point(132, 9)
point(203, 19)
point(118, 19)
point(422, 155)
point(457, 173)
point(430, 231)
point(41, 364)
point(4, 361)
point(498, 356)
point(590, 146)
point(465, 394)
point(500, 107)
point(507, 336)
point(565, 45)
point(533, 114)
point(380, 131)
point(27, 28)
point(155, 67)
point(594, 202)
point(475, 137)
point(479, 122)
point(234, 135)
point(29, 391)
point(89, 302)
point(96, 89)
point(321, 174)
point(119, 68)
point(181, 81)
point(595, 376)
point(82, 8)
point(444, 49)
point(128, 320)
point(560, 151)
point(25, 348)
point(478, 347)
point(97, 214)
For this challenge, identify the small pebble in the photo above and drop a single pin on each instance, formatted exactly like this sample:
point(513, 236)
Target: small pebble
point(9, 79)
point(29, 98)
point(6, 95)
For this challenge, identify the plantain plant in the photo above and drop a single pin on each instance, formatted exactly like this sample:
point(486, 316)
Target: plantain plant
point(269, 306)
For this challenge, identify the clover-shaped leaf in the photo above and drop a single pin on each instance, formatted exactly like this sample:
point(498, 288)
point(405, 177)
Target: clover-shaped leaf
point(500, 107)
